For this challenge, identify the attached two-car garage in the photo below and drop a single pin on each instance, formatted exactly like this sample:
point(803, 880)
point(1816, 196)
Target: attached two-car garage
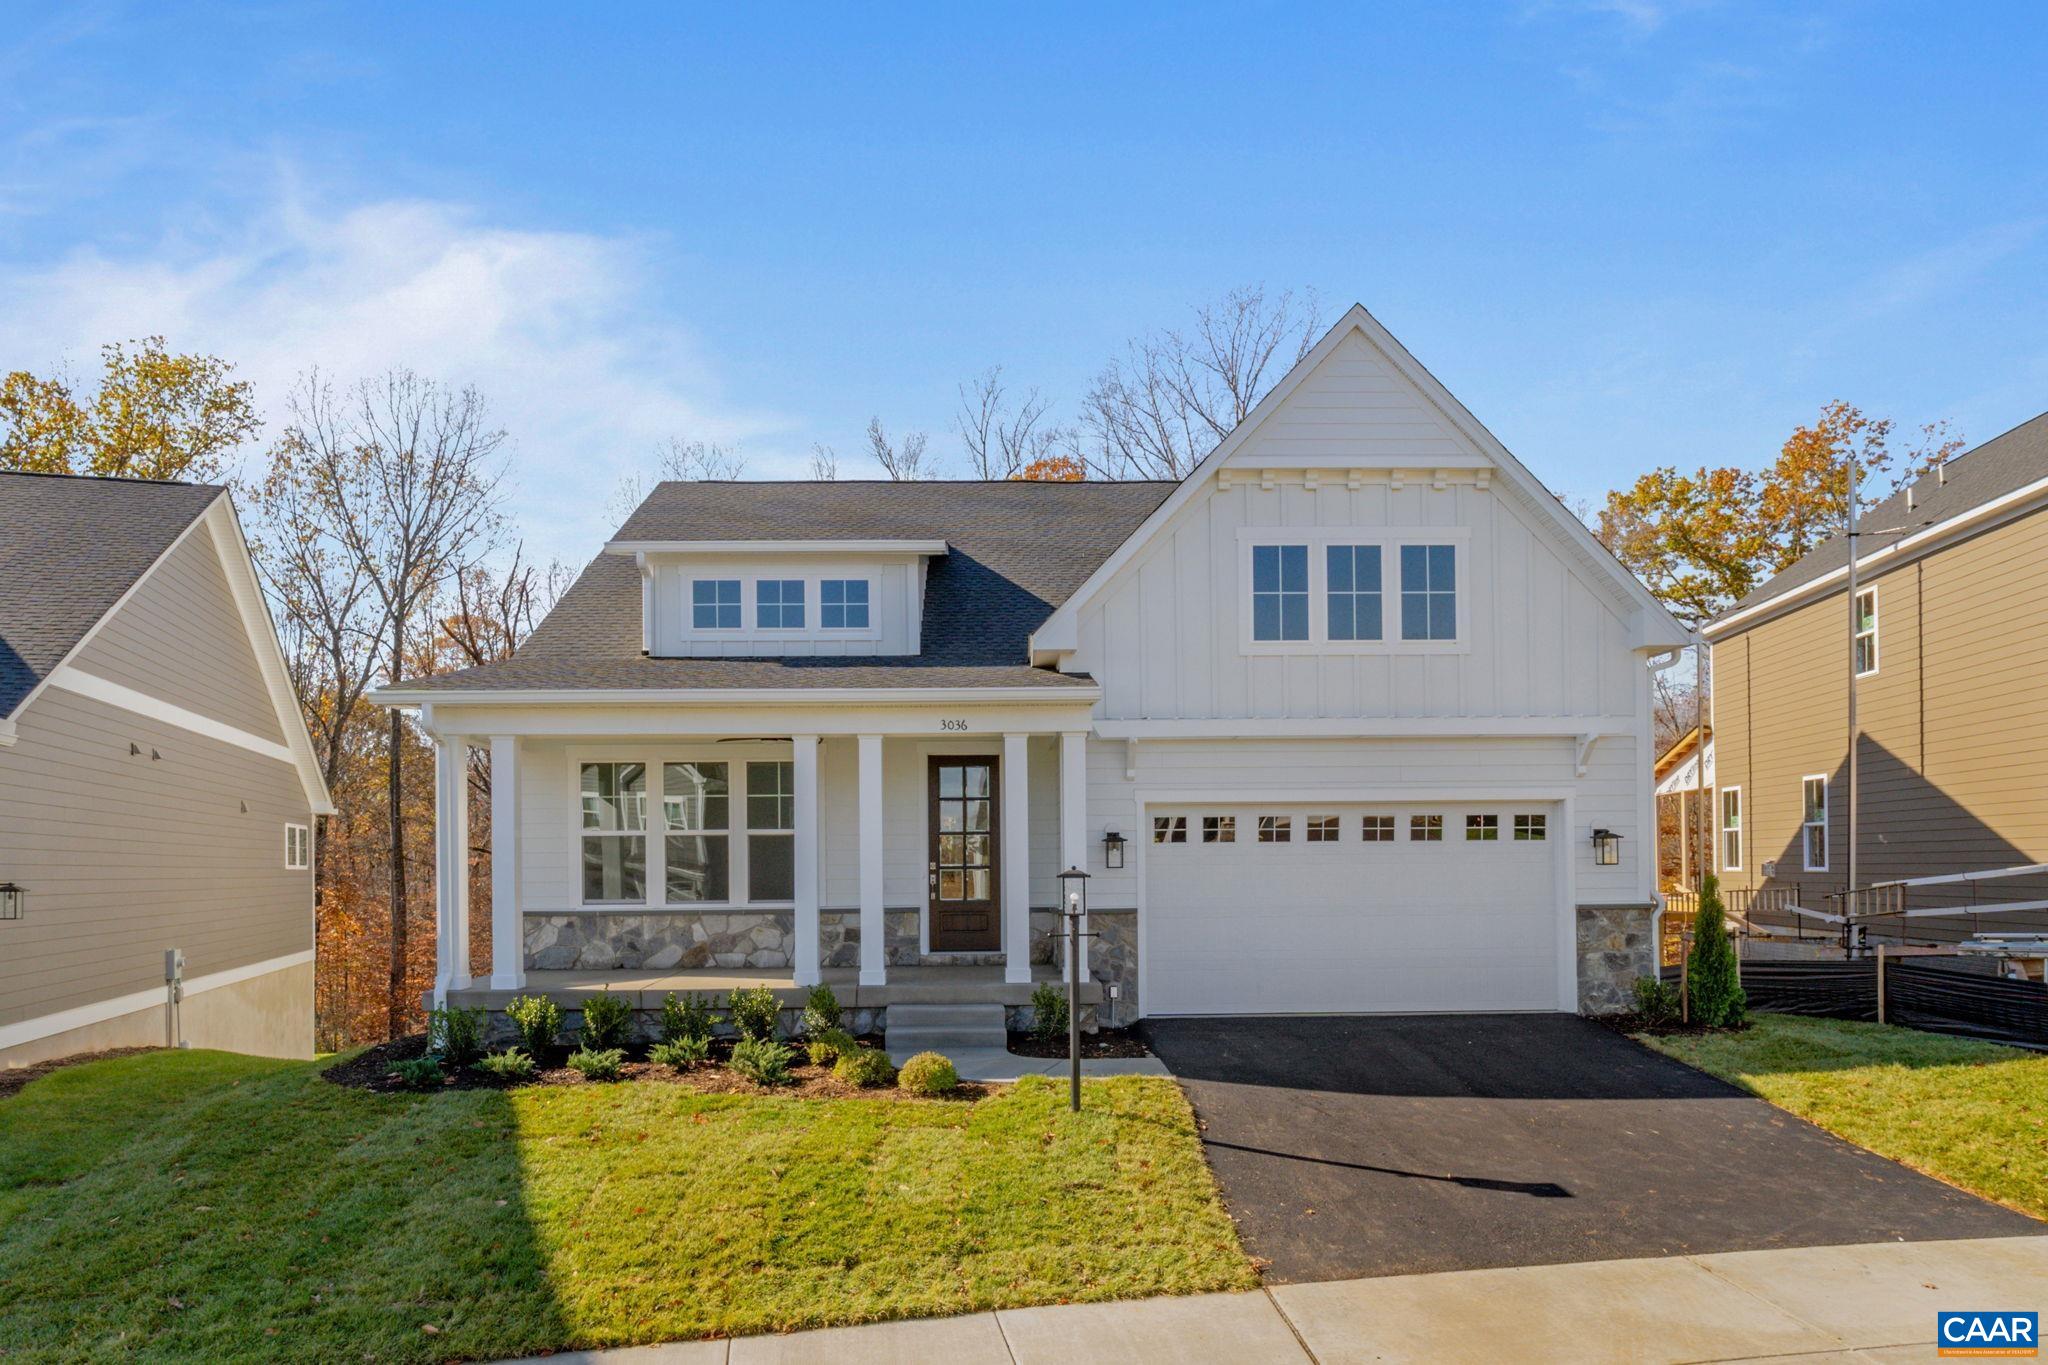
point(1353, 909)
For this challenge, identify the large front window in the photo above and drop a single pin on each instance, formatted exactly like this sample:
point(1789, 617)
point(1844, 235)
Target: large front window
point(1429, 592)
point(696, 801)
point(771, 831)
point(614, 832)
point(1279, 592)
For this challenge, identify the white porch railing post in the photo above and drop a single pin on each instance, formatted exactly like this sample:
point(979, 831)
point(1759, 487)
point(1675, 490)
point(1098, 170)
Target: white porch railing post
point(804, 959)
point(451, 866)
point(508, 934)
point(1015, 860)
point(874, 955)
point(1074, 813)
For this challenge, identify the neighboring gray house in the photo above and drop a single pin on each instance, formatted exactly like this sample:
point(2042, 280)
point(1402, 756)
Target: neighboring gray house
point(157, 784)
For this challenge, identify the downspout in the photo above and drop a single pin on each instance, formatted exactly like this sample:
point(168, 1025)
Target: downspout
point(1658, 663)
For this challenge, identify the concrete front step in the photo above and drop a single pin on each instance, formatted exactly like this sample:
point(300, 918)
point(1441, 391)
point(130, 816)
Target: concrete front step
point(944, 1028)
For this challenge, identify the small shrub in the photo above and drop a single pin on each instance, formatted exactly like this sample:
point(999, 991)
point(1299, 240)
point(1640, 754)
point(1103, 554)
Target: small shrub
point(761, 1060)
point(538, 1020)
point(867, 1067)
point(598, 1065)
point(456, 1034)
point(1656, 1001)
point(928, 1073)
point(689, 1017)
point(821, 1011)
point(1050, 1003)
point(510, 1065)
point(607, 1019)
point(1717, 1000)
point(829, 1046)
point(418, 1073)
point(754, 1011)
point(681, 1053)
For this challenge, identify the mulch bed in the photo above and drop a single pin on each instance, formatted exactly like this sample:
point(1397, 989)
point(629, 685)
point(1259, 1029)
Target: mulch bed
point(1109, 1042)
point(1635, 1023)
point(13, 1078)
point(370, 1070)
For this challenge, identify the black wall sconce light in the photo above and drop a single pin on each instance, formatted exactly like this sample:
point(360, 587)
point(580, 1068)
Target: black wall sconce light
point(13, 901)
point(1606, 848)
point(1112, 849)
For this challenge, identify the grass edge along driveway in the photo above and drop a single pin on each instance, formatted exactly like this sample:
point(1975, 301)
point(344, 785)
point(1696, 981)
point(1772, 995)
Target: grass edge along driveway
point(202, 1204)
point(1970, 1113)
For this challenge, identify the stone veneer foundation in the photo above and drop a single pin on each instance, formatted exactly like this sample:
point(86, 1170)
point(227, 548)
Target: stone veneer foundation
point(1615, 947)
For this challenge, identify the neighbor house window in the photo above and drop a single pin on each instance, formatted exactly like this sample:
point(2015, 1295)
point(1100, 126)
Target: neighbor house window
point(779, 604)
point(1813, 822)
point(1378, 829)
point(1531, 829)
point(696, 802)
point(1482, 829)
point(1426, 829)
point(298, 847)
point(1731, 829)
point(614, 832)
point(1354, 592)
point(771, 831)
point(843, 604)
point(715, 604)
point(1279, 592)
point(1429, 592)
point(1276, 829)
point(1322, 829)
point(1219, 829)
point(1169, 829)
point(1866, 632)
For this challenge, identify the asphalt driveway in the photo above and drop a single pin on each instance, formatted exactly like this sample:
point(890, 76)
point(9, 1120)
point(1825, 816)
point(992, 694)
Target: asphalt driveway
point(1386, 1145)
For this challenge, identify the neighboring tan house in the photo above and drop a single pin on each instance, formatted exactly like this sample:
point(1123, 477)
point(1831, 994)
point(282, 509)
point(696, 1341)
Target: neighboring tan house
point(1331, 725)
point(157, 785)
point(1951, 653)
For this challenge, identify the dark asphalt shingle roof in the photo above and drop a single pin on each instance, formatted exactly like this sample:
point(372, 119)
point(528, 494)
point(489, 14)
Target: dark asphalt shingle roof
point(69, 547)
point(1975, 477)
point(1016, 550)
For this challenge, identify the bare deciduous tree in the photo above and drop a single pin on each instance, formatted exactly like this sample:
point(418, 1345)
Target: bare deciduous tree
point(1157, 410)
point(678, 459)
point(824, 463)
point(905, 462)
point(1001, 441)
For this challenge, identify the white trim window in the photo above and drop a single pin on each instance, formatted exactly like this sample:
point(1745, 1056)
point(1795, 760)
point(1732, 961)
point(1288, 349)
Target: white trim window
point(1353, 599)
point(1377, 829)
point(696, 819)
point(715, 604)
point(1482, 829)
point(1425, 829)
point(1531, 829)
point(771, 831)
point(1429, 592)
point(1279, 592)
point(298, 848)
point(614, 837)
point(778, 604)
point(843, 604)
point(1219, 829)
point(1322, 829)
point(1169, 829)
point(1813, 821)
point(1276, 829)
point(1866, 632)
point(1731, 829)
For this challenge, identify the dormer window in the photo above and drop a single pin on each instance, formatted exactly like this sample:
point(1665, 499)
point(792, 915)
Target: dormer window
point(843, 604)
point(779, 604)
point(715, 604)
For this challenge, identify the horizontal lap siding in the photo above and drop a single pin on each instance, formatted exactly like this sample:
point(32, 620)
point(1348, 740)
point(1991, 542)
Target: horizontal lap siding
point(125, 857)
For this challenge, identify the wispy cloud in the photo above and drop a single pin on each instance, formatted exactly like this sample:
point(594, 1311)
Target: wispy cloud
point(1928, 275)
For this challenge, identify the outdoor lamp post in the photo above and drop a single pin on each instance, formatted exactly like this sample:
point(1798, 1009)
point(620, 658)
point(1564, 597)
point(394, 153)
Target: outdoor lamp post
point(1074, 904)
point(1606, 848)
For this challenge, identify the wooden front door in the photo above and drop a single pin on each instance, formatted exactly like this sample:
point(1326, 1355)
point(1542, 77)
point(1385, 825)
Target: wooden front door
point(965, 908)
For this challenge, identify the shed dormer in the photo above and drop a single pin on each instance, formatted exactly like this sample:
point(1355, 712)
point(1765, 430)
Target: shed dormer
point(780, 598)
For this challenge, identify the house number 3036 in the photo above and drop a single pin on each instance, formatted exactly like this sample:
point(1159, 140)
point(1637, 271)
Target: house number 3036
point(952, 725)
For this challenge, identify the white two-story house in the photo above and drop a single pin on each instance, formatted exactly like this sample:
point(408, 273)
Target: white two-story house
point(1354, 718)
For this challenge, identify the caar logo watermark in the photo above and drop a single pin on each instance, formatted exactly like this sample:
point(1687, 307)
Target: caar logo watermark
point(1988, 1334)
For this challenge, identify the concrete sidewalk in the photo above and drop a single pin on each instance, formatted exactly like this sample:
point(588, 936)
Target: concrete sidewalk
point(1875, 1302)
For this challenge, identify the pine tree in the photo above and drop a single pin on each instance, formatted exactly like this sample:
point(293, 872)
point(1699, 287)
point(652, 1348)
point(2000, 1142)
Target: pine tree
point(1716, 994)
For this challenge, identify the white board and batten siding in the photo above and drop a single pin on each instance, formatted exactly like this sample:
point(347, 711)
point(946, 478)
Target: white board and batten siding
point(895, 590)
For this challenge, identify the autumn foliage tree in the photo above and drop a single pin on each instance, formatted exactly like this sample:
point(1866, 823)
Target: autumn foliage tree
point(152, 415)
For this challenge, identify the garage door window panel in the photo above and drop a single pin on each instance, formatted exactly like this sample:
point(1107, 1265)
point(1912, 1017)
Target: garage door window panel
point(1219, 829)
point(1531, 829)
point(1426, 829)
point(1377, 829)
point(1276, 829)
point(1169, 829)
point(1322, 829)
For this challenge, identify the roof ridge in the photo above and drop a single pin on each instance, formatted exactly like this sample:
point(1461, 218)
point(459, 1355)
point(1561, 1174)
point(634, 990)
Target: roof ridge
point(109, 478)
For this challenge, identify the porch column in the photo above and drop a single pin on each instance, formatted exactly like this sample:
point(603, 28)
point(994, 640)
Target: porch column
point(451, 866)
point(1015, 860)
point(804, 960)
point(508, 932)
point(873, 933)
point(1074, 814)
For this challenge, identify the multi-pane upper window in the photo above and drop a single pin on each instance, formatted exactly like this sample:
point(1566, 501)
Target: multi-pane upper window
point(1482, 829)
point(696, 801)
point(1169, 829)
point(1378, 829)
point(1866, 631)
point(1813, 822)
point(1276, 829)
point(1429, 592)
point(1731, 828)
point(298, 847)
point(1354, 592)
point(715, 604)
point(842, 604)
point(1426, 829)
point(779, 604)
point(771, 831)
point(614, 797)
point(1219, 829)
point(1279, 592)
point(1531, 829)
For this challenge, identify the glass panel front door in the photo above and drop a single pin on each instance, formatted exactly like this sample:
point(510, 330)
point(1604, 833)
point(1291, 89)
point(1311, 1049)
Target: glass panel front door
point(963, 855)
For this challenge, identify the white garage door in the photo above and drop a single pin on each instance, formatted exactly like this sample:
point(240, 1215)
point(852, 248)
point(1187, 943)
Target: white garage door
point(1351, 909)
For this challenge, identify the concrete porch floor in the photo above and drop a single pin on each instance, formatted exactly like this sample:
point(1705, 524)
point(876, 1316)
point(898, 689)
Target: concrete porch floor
point(933, 985)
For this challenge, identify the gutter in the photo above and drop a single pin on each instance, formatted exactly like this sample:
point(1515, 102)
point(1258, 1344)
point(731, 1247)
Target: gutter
point(745, 696)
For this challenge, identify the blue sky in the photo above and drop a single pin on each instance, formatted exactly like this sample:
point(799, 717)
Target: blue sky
point(1625, 233)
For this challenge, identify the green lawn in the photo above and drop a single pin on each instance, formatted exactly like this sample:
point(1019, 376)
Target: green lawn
point(1970, 1113)
point(200, 1204)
